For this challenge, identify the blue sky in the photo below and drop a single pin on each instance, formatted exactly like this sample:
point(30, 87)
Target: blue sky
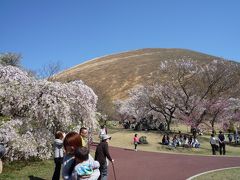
point(74, 31)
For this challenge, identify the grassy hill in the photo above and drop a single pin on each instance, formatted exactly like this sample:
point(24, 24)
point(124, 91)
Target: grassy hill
point(112, 76)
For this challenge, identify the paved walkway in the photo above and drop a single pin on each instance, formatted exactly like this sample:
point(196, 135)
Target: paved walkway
point(140, 165)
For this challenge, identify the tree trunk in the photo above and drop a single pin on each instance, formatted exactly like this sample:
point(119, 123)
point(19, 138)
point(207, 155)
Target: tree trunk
point(168, 126)
point(213, 128)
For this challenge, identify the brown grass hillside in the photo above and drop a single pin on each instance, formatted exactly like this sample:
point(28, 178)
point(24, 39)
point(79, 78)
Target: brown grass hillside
point(112, 76)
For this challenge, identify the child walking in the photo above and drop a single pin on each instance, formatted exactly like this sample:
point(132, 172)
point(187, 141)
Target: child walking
point(135, 141)
point(58, 154)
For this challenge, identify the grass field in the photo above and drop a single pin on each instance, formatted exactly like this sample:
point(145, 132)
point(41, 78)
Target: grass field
point(28, 170)
point(124, 138)
point(37, 170)
point(229, 174)
point(120, 138)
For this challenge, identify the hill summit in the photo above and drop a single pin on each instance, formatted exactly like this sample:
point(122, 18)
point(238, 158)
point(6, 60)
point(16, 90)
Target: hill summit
point(112, 76)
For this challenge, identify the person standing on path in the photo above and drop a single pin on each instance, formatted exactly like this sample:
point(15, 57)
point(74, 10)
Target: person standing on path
point(101, 155)
point(221, 140)
point(135, 141)
point(58, 154)
point(84, 136)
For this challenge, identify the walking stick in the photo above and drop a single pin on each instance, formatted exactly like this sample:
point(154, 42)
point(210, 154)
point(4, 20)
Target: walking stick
point(115, 178)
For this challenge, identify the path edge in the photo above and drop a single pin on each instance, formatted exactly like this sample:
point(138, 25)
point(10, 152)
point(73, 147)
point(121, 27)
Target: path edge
point(206, 172)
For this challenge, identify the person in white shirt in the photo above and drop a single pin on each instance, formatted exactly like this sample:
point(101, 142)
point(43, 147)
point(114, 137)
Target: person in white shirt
point(103, 131)
point(58, 154)
point(213, 143)
point(195, 143)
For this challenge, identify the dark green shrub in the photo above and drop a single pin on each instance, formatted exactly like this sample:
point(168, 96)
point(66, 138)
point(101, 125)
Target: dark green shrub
point(143, 140)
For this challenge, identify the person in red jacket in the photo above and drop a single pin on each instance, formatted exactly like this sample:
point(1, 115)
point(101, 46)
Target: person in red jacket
point(135, 142)
point(101, 155)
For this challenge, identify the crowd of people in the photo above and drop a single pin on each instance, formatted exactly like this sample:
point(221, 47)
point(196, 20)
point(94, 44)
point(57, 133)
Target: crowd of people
point(218, 143)
point(71, 151)
point(181, 140)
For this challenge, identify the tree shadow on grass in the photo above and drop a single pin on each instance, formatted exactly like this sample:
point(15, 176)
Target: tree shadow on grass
point(35, 178)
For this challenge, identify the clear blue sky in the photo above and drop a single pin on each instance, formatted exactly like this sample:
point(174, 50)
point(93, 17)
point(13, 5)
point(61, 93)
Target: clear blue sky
point(73, 31)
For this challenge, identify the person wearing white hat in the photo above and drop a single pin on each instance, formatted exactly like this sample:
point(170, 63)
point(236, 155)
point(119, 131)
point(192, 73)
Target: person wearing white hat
point(101, 155)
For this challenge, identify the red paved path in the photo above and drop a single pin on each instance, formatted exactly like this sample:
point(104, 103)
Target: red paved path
point(140, 165)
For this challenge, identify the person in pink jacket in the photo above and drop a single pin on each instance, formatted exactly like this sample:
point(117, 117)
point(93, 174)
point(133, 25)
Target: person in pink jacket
point(135, 142)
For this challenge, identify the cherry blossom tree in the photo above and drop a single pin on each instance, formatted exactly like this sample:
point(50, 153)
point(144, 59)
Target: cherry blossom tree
point(135, 106)
point(39, 108)
point(196, 85)
point(136, 110)
point(195, 93)
point(234, 110)
point(153, 101)
point(217, 111)
point(162, 99)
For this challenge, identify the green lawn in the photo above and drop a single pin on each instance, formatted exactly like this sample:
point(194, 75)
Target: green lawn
point(124, 138)
point(229, 174)
point(120, 138)
point(28, 170)
point(36, 170)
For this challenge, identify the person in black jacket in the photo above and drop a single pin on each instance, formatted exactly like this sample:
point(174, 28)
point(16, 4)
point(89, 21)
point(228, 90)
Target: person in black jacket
point(221, 140)
point(101, 155)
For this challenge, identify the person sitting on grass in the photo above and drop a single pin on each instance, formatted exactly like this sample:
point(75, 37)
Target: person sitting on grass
point(180, 139)
point(165, 140)
point(175, 141)
point(85, 165)
point(195, 143)
point(190, 139)
point(185, 141)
